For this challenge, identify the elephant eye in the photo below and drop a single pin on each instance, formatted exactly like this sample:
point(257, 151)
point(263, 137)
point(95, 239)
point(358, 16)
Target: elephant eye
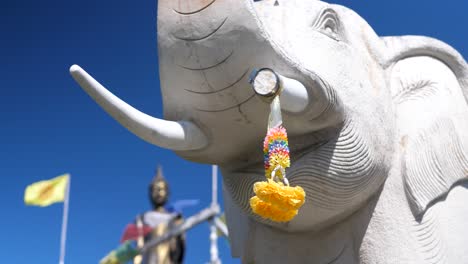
point(328, 24)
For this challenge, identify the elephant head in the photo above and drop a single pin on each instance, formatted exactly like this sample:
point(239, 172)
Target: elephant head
point(375, 107)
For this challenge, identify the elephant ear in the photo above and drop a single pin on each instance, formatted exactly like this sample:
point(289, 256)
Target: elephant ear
point(429, 87)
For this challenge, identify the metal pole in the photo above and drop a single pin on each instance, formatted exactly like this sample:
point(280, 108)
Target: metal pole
point(214, 244)
point(214, 202)
point(214, 184)
point(63, 235)
point(202, 216)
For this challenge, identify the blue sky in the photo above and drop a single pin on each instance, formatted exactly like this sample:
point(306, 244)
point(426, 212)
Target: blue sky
point(49, 126)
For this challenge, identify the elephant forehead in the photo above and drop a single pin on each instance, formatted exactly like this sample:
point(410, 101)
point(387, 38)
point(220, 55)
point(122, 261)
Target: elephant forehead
point(288, 14)
point(299, 38)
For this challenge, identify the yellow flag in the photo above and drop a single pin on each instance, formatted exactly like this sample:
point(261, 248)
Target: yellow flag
point(45, 193)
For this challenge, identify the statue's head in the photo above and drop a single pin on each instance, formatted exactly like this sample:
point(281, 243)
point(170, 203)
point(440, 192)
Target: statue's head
point(158, 190)
point(343, 142)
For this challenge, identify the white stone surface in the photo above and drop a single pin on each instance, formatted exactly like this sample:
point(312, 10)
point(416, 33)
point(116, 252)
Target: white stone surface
point(380, 148)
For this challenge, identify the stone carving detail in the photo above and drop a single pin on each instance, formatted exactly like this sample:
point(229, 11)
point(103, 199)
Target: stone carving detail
point(380, 148)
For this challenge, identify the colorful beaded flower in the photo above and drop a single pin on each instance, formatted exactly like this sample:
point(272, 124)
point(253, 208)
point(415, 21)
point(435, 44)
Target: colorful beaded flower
point(275, 199)
point(276, 151)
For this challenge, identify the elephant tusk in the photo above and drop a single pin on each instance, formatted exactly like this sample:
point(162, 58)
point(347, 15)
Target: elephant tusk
point(267, 84)
point(180, 135)
point(294, 96)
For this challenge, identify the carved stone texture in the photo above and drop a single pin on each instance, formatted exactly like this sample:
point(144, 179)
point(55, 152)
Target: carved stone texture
point(381, 147)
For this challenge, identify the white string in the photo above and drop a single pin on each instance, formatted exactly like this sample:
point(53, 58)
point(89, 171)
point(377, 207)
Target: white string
point(283, 172)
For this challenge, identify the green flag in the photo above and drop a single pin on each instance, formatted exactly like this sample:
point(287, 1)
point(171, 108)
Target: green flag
point(123, 254)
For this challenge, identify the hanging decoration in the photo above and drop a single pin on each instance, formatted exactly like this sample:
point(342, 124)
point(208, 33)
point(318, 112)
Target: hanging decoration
point(274, 199)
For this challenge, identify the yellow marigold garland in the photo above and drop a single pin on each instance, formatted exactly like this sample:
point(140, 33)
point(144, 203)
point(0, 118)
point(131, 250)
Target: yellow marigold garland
point(269, 211)
point(279, 195)
point(274, 199)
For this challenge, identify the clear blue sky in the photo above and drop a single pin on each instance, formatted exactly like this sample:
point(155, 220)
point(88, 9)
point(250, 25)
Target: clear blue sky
point(49, 126)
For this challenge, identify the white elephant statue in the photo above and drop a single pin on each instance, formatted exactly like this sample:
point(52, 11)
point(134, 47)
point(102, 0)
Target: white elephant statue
point(375, 128)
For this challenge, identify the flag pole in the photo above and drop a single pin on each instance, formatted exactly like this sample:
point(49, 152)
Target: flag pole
point(63, 235)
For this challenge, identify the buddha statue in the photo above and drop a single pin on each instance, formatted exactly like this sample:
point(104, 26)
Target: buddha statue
point(172, 251)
